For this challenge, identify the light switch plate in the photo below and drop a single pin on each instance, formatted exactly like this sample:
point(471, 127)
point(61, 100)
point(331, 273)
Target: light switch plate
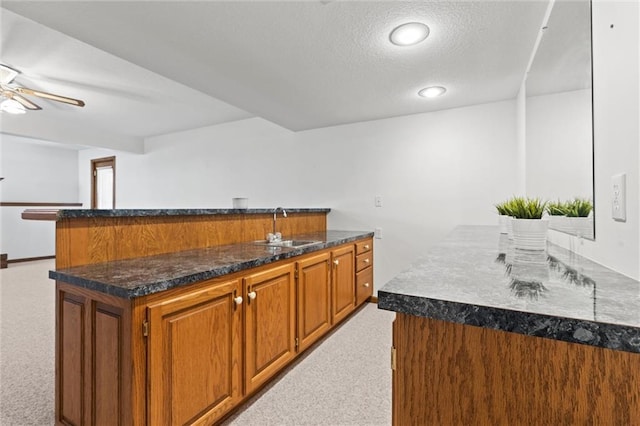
point(378, 200)
point(378, 233)
point(619, 197)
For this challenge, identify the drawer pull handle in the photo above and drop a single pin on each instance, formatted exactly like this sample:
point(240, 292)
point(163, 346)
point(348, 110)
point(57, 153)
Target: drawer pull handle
point(366, 261)
point(366, 284)
point(238, 300)
point(366, 246)
point(252, 295)
point(336, 262)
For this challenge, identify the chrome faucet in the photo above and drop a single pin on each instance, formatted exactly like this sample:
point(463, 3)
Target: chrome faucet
point(276, 236)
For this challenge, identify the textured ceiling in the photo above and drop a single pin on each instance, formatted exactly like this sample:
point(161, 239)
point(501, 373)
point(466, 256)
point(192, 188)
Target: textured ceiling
point(563, 59)
point(301, 64)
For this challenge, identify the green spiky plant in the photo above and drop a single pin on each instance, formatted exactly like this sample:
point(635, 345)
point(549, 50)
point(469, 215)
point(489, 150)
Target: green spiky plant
point(526, 208)
point(579, 207)
point(557, 208)
point(502, 208)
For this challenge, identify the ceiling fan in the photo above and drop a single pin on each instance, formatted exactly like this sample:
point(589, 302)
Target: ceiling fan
point(15, 103)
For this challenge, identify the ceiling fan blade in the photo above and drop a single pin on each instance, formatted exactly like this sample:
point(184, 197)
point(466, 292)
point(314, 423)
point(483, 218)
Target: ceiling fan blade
point(25, 102)
point(50, 96)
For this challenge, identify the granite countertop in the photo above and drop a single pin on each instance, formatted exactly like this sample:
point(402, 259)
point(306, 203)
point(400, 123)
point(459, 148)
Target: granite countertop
point(142, 276)
point(175, 212)
point(475, 277)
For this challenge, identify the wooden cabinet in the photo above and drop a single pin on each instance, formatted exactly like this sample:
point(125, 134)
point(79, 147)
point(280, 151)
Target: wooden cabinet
point(195, 355)
point(342, 282)
point(269, 323)
point(314, 298)
point(364, 271)
point(190, 355)
point(456, 374)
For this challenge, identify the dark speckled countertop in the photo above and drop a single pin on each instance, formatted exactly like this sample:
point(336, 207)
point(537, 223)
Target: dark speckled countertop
point(176, 212)
point(474, 277)
point(146, 275)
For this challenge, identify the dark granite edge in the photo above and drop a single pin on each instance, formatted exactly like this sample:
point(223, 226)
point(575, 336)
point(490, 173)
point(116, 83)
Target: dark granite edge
point(76, 213)
point(158, 286)
point(604, 335)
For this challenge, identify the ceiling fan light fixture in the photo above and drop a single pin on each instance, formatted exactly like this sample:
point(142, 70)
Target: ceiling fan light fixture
point(432, 92)
point(409, 34)
point(12, 106)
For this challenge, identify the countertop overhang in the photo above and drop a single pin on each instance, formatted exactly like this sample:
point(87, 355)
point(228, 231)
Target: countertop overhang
point(474, 278)
point(142, 276)
point(71, 213)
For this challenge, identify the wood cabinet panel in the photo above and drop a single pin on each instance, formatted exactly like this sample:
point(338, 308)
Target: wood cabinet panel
point(364, 285)
point(364, 260)
point(194, 356)
point(343, 282)
point(455, 374)
point(107, 386)
point(93, 358)
point(70, 362)
point(82, 241)
point(269, 323)
point(364, 246)
point(314, 299)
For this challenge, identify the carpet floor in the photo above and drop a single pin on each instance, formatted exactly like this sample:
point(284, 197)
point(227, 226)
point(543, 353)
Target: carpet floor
point(344, 380)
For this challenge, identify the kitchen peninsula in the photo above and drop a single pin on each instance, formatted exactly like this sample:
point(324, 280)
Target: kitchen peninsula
point(178, 316)
point(486, 335)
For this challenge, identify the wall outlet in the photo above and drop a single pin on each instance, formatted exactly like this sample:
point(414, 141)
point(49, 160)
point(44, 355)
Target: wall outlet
point(378, 200)
point(378, 233)
point(619, 197)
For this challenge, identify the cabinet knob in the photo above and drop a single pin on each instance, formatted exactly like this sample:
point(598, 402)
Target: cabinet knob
point(252, 295)
point(238, 300)
point(336, 262)
point(366, 284)
point(366, 261)
point(366, 246)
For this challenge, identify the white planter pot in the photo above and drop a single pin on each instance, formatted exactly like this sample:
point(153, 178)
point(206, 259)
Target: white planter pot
point(503, 221)
point(530, 234)
point(509, 221)
point(580, 226)
point(558, 223)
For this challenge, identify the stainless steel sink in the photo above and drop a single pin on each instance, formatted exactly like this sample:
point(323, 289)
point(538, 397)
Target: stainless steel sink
point(287, 243)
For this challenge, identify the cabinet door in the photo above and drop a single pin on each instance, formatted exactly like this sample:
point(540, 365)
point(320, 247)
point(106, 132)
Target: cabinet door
point(194, 355)
point(270, 323)
point(314, 299)
point(343, 286)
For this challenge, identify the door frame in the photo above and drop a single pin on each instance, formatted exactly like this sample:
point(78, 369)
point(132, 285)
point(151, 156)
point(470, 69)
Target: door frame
point(102, 162)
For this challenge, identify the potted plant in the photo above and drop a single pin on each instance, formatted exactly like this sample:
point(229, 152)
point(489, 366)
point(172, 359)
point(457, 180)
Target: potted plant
point(557, 211)
point(529, 229)
point(580, 221)
point(504, 217)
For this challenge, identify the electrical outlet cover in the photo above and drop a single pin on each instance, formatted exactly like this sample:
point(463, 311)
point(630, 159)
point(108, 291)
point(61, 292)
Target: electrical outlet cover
point(619, 197)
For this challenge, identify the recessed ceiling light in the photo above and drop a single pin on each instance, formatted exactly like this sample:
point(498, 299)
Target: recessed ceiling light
point(409, 34)
point(432, 92)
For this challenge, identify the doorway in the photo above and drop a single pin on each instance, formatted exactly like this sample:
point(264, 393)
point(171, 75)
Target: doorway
point(103, 183)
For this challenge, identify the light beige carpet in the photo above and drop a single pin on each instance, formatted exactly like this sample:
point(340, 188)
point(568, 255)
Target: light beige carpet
point(27, 344)
point(345, 380)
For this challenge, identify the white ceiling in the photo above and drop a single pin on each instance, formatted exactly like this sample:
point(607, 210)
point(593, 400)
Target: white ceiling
point(147, 68)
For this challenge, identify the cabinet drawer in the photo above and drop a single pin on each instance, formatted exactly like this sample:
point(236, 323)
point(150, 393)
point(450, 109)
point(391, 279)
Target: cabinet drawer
point(364, 261)
point(364, 285)
point(364, 246)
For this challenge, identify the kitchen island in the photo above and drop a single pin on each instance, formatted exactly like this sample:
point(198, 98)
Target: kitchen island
point(178, 316)
point(485, 334)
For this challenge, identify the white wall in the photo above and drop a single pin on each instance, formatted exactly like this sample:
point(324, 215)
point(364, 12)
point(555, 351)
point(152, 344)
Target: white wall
point(434, 171)
point(559, 151)
point(34, 172)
